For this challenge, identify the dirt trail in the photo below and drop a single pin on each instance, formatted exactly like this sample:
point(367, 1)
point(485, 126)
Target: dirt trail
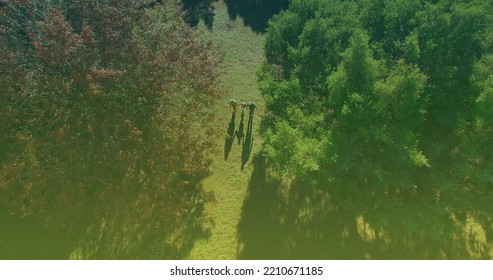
point(243, 54)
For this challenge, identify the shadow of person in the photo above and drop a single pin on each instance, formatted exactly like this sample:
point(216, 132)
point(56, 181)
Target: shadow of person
point(240, 134)
point(248, 143)
point(230, 135)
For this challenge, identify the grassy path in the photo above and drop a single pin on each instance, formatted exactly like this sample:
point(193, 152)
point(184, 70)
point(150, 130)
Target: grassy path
point(243, 50)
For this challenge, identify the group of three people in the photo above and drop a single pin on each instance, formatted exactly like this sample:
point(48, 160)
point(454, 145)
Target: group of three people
point(251, 106)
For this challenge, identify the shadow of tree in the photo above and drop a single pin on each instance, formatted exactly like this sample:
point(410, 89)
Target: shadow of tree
point(124, 232)
point(194, 10)
point(29, 239)
point(255, 13)
point(135, 235)
point(302, 222)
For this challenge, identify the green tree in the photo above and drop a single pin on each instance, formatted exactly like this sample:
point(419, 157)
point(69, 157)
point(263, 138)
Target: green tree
point(377, 117)
point(199, 10)
point(193, 10)
point(398, 97)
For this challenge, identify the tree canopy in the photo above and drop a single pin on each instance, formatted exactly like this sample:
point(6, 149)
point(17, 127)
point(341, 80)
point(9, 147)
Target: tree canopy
point(104, 122)
point(387, 105)
point(255, 13)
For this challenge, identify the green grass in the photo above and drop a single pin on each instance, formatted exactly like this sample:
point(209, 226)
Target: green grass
point(258, 216)
point(243, 50)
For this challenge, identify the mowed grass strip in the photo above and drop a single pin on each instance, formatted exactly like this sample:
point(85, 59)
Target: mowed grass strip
point(243, 50)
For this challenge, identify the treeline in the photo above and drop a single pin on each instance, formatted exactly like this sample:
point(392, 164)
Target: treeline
point(255, 13)
point(104, 123)
point(193, 10)
point(388, 105)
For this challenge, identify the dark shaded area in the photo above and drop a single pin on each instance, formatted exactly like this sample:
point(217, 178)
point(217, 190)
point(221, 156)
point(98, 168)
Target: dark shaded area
point(255, 13)
point(28, 239)
point(248, 143)
point(298, 225)
point(145, 244)
point(240, 132)
point(31, 239)
point(302, 222)
point(230, 135)
point(194, 11)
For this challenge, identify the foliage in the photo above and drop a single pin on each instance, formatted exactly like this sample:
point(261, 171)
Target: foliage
point(401, 95)
point(104, 122)
point(255, 13)
point(193, 10)
point(197, 10)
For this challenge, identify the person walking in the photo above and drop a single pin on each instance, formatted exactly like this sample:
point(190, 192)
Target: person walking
point(233, 103)
point(243, 105)
point(252, 107)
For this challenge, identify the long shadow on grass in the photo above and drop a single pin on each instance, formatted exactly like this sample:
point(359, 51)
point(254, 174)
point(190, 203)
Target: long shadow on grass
point(230, 135)
point(255, 13)
point(240, 133)
point(303, 222)
point(298, 225)
point(248, 143)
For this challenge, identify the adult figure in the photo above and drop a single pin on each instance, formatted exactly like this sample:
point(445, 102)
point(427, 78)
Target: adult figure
point(233, 103)
point(252, 107)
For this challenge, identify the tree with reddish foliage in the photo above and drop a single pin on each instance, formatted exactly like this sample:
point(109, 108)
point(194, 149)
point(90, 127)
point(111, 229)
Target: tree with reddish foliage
point(105, 123)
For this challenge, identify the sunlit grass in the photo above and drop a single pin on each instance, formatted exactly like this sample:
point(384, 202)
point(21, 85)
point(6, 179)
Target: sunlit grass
point(243, 50)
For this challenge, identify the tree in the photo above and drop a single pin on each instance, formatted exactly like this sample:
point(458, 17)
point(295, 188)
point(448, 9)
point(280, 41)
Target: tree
point(197, 10)
point(255, 13)
point(396, 94)
point(105, 121)
point(193, 10)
